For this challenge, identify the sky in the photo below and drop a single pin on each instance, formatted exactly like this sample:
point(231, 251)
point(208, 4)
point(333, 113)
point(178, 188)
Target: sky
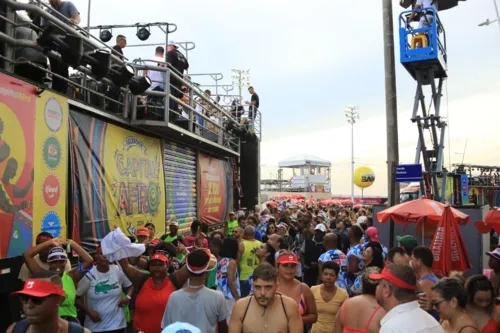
point(308, 61)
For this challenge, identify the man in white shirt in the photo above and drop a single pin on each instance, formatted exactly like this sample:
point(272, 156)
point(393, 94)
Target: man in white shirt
point(426, 17)
point(396, 294)
point(157, 78)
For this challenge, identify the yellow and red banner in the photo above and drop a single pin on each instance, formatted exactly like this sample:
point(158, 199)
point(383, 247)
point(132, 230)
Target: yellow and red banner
point(17, 136)
point(51, 161)
point(215, 189)
point(117, 177)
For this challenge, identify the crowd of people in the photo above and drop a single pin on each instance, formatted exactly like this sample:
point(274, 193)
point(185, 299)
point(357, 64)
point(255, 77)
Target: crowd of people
point(297, 270)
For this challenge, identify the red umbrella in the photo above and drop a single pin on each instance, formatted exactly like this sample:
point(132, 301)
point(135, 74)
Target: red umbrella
point(272, 204)
point(424, 212)
point(358, 206)
point(347, 202)
point(448, 246)
point(421, 209)
point(491, 221)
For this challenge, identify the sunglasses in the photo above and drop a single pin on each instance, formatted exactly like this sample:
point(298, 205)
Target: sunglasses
point(35, 300)
point(165, 253)
point(436, 304)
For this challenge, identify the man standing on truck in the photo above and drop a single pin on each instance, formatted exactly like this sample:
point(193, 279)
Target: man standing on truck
point(69, 11)
point(180, 64)
point(254, 104)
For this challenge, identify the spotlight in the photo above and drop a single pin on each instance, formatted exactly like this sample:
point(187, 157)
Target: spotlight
point(99, 61)
point(139, 85)
point(143, 33)
point(105, 35)
point(121, 75)
point(69, 46)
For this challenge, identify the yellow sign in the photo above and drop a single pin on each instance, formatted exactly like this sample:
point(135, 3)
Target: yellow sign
point(134, 173)
point(51, 161)
point(364, 177)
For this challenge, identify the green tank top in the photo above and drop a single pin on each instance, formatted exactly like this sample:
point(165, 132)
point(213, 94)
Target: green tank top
point(68, 307)
point(249, 260)
point(231, 225)
point(170, 239)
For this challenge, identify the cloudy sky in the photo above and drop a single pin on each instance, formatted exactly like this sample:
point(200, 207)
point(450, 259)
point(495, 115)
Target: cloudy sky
point(308, 61)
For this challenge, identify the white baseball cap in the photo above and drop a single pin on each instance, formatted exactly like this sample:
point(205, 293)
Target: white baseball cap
point(181, 327)
point(495, 253)
point(173, 43)
point(321, 227)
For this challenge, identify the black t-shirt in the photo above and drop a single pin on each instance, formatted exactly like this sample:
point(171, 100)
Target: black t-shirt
point(118, 49)
point(179, 62)
point(255, 98)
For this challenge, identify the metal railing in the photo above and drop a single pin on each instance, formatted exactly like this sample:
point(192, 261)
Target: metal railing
point(183, 103)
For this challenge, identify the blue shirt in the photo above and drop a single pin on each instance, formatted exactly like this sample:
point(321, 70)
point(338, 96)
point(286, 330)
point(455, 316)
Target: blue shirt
point(67, 10)
point(258, 236)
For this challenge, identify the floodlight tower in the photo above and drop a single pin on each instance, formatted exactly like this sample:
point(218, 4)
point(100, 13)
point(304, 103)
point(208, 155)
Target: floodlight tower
point(242, 79)
point(352, 114)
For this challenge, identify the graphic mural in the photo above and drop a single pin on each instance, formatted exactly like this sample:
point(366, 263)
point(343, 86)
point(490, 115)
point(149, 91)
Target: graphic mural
point(17, 135)
point(117, 178)
point(215, 191)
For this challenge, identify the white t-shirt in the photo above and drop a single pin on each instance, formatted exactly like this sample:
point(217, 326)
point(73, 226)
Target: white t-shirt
point(103, 291)
point(409, 318)
point(427, 3)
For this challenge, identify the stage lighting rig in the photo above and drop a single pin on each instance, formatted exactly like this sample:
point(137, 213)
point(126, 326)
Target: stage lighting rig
point(99, 61)
point(69, 46)
point(105, 35)
point(139, 85)
point(143, 33)
point(121, 75)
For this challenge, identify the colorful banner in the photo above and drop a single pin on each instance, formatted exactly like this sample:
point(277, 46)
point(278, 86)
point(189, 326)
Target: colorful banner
point(51, 170)
point(215, 190)
point(17, 128)
point(117, 178)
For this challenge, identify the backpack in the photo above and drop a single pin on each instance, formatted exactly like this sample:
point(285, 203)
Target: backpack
point(23, 326)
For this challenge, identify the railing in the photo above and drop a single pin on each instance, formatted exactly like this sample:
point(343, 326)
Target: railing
point(435, 35)
point(183, 104)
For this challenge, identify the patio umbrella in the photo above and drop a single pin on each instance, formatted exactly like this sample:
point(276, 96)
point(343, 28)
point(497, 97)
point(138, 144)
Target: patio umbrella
point(424, 212)
point(448, 246)
point(491, 221)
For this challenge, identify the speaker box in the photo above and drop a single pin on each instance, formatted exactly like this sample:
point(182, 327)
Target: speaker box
point(250, 171)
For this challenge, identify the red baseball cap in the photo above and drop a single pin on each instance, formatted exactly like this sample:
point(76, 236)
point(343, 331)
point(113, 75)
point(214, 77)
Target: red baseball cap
point(142, 231)
point(372, 232)
point(387, 275)
point(159, 256)
point(288, 258)
point(39, 288)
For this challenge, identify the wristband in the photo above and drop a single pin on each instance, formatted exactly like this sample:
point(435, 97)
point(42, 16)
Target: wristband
point(129, 298)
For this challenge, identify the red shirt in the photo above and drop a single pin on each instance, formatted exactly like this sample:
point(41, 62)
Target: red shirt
point(190, 240)
point(150, 305)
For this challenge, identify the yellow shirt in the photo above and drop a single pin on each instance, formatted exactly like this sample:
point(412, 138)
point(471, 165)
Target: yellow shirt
point(327, 311)
point(249, 260)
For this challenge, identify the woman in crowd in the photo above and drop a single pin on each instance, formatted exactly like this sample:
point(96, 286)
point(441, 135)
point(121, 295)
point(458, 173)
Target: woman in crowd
point(228, 279)
point(361, 314)
point(372, 256)
point(481, 304)
point(449, 298)
point(104, 303)
point(293, 288)
point(329, 298)
point(57, 259)
point(152, 229)
point(271, 229)
point(155, 288)
point(266, 255)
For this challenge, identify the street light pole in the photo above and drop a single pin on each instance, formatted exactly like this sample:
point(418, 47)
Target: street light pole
point(242, 80)
point(88, 16)
point(352, 114)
